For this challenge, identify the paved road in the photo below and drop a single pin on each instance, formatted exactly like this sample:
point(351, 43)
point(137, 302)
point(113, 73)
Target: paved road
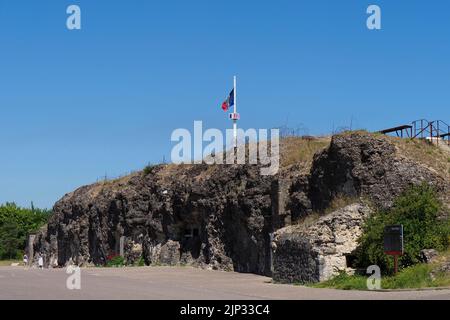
point(172, 283)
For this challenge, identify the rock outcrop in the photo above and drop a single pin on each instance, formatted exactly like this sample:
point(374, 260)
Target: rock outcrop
point(318, 251)
point(216, 217)
point(366, 165)
point(223, 216)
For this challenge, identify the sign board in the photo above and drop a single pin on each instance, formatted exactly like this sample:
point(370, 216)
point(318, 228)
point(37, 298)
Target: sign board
point(235, 116)
point(393, 240)
point(122, 246)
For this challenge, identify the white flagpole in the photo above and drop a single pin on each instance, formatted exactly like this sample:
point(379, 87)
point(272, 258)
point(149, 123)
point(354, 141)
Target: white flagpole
point(235, 112)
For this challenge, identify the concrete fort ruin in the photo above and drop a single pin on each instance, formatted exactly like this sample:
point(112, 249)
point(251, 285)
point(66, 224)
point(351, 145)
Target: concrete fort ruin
point(230, 217)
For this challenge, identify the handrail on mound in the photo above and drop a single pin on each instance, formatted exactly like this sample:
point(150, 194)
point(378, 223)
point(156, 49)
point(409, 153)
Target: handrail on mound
point(422, 129)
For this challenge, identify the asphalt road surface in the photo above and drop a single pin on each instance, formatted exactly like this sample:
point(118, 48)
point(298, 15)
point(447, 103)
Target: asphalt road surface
point(173, 283)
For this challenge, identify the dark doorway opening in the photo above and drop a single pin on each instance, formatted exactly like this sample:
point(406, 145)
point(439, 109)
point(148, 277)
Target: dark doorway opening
point(191, 241)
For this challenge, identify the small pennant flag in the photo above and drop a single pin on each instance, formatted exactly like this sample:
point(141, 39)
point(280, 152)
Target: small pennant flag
point(229, 102)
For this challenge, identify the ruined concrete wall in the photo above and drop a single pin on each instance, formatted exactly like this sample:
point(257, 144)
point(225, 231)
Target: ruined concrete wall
point(295, 261)
point(356, 165)
point(360, 164)
point(222, 216)
point(209, 216)
point(317, 252)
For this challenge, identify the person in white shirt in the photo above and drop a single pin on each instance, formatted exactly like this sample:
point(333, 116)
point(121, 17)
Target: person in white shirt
point(41, 262)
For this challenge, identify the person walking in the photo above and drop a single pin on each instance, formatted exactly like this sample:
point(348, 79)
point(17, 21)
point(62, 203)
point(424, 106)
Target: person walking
point(25, 260)
point(41, 262)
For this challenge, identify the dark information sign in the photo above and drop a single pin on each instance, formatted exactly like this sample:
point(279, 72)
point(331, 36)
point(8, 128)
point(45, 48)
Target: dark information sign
point(393, 240)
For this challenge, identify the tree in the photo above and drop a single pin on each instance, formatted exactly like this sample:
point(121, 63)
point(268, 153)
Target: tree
point(15, 225)
point(9, 240)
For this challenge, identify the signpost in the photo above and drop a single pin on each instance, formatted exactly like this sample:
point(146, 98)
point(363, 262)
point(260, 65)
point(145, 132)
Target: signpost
point(122, 246)
point(393, 243)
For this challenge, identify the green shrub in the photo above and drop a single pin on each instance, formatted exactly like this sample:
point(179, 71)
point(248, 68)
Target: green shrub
point(417, 210)
point(141, 262)
point(115, 261)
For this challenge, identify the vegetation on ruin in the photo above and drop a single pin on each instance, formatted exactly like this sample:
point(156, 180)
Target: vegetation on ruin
point(115, 260)
point(301, 150)
point(418, 210)
point(414, 277)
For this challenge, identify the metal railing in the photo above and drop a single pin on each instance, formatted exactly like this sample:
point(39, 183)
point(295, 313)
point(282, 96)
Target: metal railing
point(440, 130)
point(424, 129)
point(419, 128)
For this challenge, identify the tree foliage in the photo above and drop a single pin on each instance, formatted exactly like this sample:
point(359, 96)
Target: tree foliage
point(16, 224)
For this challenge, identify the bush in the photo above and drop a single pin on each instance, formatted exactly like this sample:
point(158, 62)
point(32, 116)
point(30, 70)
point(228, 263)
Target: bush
point(417, 210)
point(115, 261)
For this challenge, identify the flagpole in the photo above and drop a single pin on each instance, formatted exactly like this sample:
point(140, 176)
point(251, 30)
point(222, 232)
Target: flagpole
point(235, 112)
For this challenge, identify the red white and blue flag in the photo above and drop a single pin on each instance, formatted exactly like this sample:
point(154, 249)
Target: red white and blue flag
point(229, 102)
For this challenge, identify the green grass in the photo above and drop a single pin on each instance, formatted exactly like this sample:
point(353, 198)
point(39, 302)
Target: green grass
point(414, 277)
point(417, 276)
point(141, 262)
point(344, 282)
point(116, 261)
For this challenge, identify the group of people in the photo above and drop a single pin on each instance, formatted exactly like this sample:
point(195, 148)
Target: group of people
point(40, 261)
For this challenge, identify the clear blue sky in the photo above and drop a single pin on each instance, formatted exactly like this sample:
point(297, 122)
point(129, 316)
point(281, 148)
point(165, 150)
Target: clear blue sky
point(76, 105)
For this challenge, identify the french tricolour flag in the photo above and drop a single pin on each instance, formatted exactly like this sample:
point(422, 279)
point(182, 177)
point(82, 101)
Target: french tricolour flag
point(229, 102)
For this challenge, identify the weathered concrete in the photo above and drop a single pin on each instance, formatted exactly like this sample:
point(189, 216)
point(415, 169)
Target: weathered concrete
point(319, 251)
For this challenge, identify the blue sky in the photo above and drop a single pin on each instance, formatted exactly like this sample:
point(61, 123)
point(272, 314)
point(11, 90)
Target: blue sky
point(76, 105)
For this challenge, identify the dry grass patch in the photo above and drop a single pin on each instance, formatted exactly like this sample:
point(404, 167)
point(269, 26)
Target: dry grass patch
point(294, 150)
point(339, 202)
point(425, 153)
point(7, 263)
point(307, 221)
